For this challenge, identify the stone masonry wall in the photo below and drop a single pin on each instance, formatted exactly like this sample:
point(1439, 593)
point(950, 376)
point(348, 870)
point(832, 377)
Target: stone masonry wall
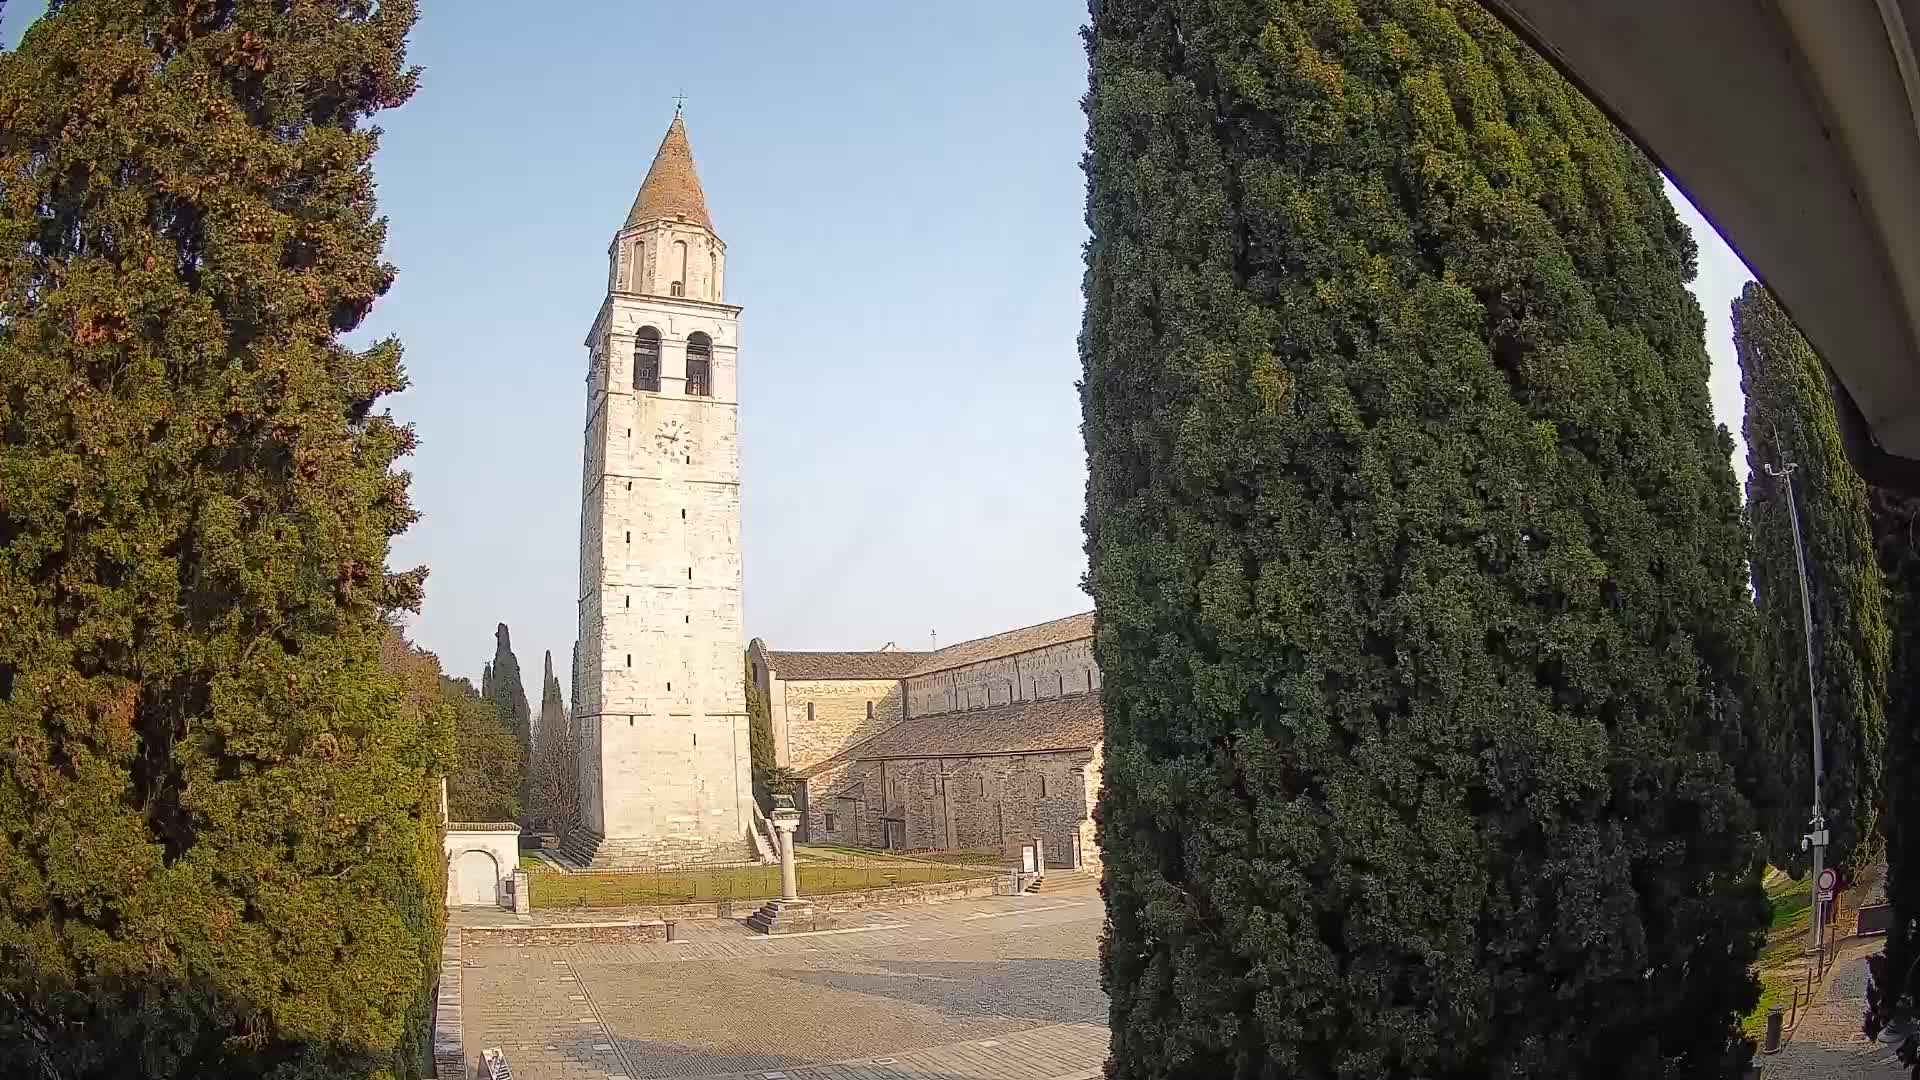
point(1029, 676)
point(843, 712)
point(665, 765)
point(990, 802)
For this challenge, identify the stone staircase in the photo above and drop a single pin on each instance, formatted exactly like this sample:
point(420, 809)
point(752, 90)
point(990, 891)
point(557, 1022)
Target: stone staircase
point(1059, 881)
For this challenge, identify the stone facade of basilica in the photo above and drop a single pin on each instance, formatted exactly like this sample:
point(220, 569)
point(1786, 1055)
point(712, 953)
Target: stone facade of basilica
point(984, 745)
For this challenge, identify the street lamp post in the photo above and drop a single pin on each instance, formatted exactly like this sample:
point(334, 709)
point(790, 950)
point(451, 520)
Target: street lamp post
point(1816, 840)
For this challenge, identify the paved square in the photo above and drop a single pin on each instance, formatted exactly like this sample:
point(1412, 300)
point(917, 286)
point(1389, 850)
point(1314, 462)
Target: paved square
point(993, 989)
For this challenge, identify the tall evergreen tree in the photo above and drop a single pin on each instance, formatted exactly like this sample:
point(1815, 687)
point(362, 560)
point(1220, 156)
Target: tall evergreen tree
point(1418, 561)
point(760, 748)
point(1790, 419)
point(509, 695)
point(218, 813)
point(555, 777)
point(553, 709)
point(1894, 994)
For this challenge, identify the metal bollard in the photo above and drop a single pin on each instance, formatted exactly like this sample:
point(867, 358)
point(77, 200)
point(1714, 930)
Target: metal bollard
point(1774, 1019)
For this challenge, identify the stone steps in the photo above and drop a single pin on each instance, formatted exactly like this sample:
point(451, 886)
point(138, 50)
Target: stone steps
point(1054, 881)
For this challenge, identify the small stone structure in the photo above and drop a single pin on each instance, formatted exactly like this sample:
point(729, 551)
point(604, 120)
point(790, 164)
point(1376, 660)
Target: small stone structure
point(481, 859)
point(791, 912)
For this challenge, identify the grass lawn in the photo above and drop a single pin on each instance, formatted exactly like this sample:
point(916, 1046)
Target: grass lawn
point(1792, 903)
point(552, 890)
point(830, 852)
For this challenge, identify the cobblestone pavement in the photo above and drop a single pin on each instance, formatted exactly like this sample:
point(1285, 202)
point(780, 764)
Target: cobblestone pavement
point(1827, 1043)
point(1003, 989)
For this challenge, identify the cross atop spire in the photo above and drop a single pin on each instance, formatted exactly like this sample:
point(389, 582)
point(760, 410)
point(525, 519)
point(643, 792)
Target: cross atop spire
point(672, 188)
point(679, 102)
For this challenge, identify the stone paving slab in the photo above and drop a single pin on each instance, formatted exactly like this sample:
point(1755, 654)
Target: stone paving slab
point(1001, 990)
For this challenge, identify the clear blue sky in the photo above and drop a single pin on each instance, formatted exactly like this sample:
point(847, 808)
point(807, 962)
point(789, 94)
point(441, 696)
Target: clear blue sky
point(899, 189)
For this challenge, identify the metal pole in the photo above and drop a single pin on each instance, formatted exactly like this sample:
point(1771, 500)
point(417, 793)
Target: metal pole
point(1817, 840)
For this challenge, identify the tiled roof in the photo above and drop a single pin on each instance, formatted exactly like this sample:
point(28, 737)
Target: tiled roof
point(672, 187)
point(1025, 639)
point(796, 666)
point(1063, 723)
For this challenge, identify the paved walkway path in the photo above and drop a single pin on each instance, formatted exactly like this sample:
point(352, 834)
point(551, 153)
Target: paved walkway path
point(993, 989)
point(1827, 1043)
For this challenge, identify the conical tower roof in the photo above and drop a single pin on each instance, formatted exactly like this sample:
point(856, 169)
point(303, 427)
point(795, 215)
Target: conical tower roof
point(672, 187)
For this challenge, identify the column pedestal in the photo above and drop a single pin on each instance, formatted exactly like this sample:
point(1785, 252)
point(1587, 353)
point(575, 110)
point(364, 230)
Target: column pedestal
point(790, 913)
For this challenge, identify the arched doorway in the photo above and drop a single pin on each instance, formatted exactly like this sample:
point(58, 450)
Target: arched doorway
point(476, 877)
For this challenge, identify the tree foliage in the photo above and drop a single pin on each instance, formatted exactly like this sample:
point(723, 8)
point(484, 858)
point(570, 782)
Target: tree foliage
point(555, 779)
point(1894, 994)
point(218, 811)
point(1790, 419)
point(489, 768)
point(1418, 561)
point(508, 693)
point(760, 747)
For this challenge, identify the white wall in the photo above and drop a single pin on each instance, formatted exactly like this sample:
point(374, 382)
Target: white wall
point(494, 847)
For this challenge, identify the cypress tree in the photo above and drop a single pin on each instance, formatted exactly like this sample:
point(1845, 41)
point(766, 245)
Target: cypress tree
point(760, 747)
point(553, 710)
point(1790, 418)
point(555, 773)
point(508, 694)
point(218, 811)
point(1894, 993)
point(1418, 562)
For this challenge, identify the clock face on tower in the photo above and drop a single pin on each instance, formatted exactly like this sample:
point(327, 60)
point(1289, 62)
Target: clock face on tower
point(671, 438)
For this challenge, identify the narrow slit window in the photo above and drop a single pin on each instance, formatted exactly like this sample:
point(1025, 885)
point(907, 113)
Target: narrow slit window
point(629, 659)
point(869, 710)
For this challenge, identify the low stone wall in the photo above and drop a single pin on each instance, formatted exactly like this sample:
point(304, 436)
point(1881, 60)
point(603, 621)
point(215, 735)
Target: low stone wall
point(449, 1037)
point(581, 933)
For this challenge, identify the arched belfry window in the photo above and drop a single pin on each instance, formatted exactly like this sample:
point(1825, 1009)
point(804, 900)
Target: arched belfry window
point(699, 365)
point(646, 360)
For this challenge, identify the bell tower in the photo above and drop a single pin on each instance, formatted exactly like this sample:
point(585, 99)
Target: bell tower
point(661, 716)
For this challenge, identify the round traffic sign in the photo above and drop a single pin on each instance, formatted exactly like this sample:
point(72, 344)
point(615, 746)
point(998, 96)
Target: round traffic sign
point(1828, 879)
